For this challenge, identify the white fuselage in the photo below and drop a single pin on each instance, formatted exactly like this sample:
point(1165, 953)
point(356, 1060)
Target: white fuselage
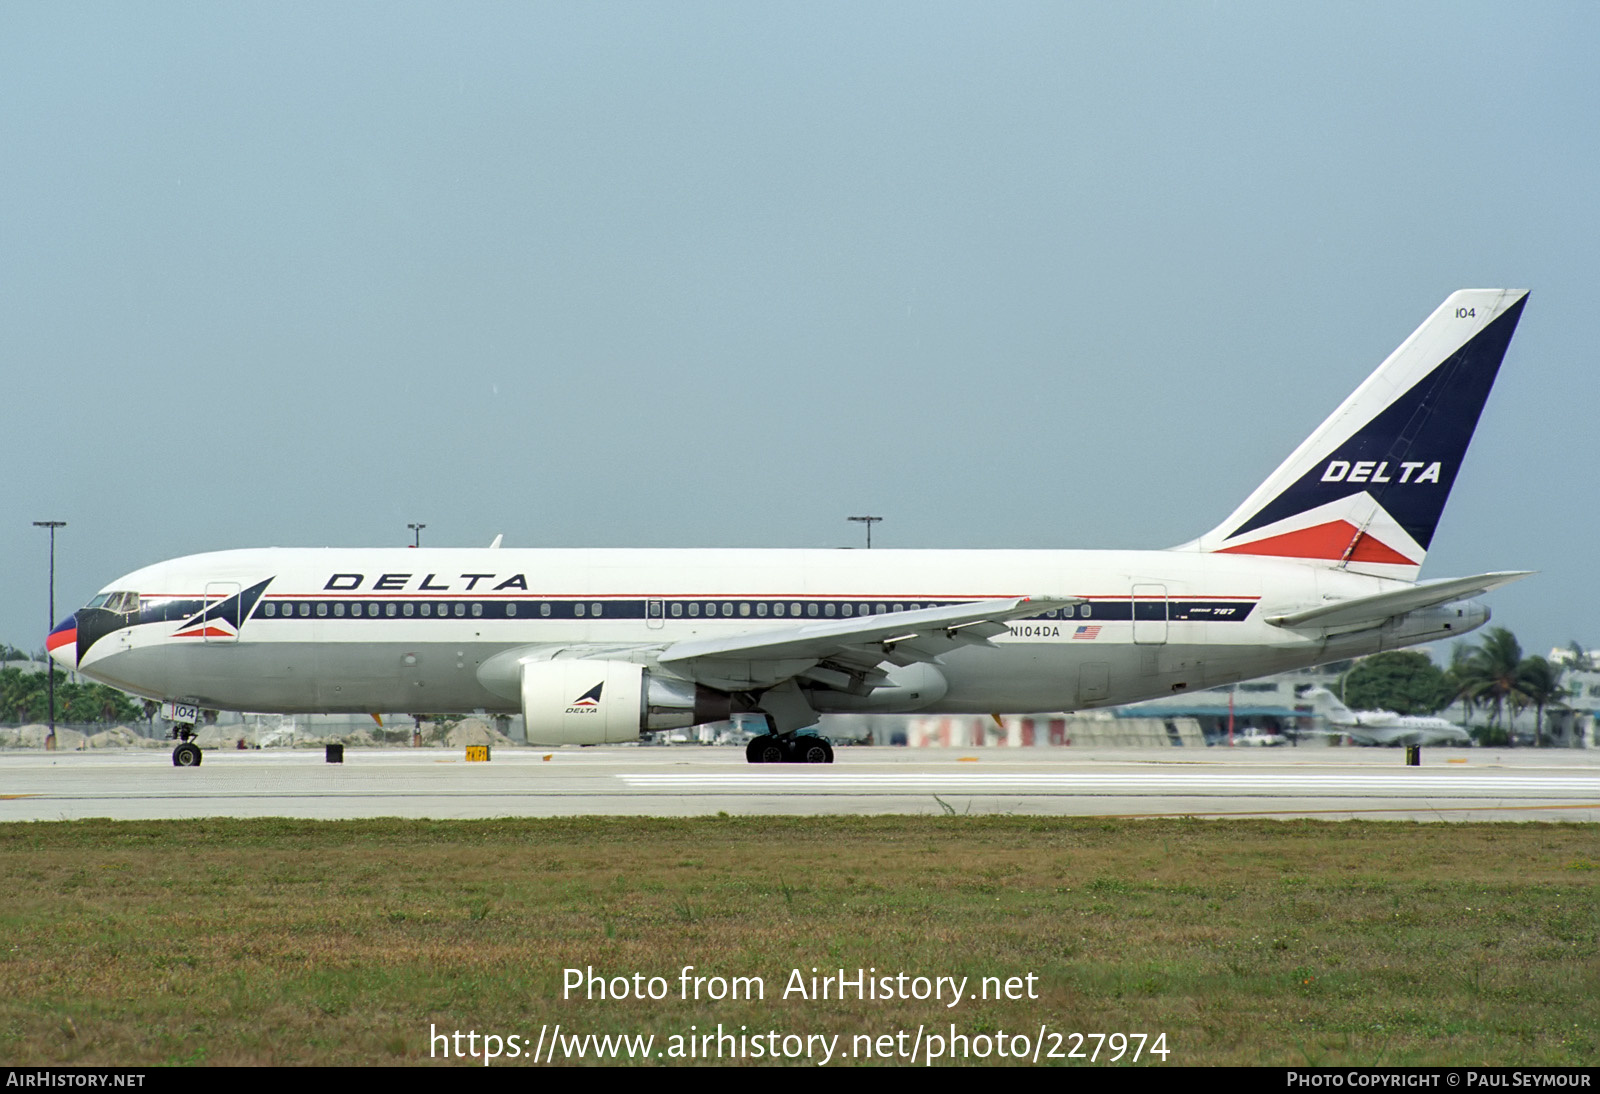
point(420, 629)
point(1385, 727)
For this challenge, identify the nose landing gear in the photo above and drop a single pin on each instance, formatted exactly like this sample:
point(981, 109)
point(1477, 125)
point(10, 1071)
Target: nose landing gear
point(187, 754)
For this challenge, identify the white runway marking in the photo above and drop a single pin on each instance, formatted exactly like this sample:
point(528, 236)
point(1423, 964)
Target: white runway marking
point(823, 780)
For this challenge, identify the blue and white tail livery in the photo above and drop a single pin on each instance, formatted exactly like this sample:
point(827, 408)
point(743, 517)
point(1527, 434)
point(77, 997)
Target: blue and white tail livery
point(1365, 491)
point(601, 646)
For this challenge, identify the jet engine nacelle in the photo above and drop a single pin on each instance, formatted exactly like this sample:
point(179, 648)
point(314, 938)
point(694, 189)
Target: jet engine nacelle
point(1441, 621)
point(582, 702)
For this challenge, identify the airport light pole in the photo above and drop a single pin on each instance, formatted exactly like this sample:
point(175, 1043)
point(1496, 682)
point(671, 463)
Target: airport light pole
point(869, 522)
point(416, 534)
point(49, 669)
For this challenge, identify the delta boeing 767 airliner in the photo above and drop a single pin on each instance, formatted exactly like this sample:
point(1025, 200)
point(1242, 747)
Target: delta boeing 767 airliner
point(1320, 563)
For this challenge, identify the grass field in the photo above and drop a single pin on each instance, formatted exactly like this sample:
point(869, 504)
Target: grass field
point(274, 941)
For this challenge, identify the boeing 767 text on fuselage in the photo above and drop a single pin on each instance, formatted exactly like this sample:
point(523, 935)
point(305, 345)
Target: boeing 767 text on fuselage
point(1320, 563)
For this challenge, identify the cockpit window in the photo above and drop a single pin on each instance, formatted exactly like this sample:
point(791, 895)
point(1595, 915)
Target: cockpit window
point(122, 602)
point(99, 600)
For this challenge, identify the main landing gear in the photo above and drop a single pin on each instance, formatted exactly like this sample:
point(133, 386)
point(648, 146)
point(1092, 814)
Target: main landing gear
point(787, 712)
point(187, 754)
point(788, 748)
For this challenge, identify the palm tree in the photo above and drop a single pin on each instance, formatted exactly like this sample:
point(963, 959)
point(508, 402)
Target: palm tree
point(1489, 674)
point(1578, 658)
point(1541, 686)
point(1457, 673)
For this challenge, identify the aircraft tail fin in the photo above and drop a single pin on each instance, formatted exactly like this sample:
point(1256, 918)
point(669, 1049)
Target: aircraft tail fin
point(1326, 703)
point(1365, 491)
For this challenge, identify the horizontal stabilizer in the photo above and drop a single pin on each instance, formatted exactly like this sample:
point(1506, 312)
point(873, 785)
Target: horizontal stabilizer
point(1373, 610)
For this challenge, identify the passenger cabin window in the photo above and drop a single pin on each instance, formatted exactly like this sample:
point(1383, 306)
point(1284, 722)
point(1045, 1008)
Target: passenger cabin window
point(677, 610)
point(544, 610)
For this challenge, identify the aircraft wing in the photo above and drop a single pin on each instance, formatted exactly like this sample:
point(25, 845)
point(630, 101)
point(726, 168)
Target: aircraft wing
point(1373, 610)
point(850, 647)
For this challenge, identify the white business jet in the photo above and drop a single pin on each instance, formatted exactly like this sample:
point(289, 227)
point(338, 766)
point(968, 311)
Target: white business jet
point(1384, 727)
point(1320, 563)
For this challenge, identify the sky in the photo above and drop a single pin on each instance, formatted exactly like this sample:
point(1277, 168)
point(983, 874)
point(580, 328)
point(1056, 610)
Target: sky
point(722, 274)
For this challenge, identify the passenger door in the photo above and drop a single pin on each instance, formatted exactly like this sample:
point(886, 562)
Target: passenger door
point(1149, 615)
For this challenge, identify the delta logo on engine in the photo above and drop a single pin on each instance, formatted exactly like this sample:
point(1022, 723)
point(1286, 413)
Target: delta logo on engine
point(588, 702)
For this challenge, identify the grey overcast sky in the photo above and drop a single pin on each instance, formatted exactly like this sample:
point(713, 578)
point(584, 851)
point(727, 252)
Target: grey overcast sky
point(689, 274)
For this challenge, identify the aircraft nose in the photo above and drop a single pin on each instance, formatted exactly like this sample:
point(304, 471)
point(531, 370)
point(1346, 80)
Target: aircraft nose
point(63, 643)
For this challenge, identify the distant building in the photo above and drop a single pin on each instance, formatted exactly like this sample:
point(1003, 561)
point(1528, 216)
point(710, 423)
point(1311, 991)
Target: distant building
point(1271, 705)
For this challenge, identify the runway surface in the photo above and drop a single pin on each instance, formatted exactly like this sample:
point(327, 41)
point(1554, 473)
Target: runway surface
point(1331, 783)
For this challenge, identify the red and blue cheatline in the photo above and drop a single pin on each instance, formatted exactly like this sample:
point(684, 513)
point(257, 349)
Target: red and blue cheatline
point(63, 642)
